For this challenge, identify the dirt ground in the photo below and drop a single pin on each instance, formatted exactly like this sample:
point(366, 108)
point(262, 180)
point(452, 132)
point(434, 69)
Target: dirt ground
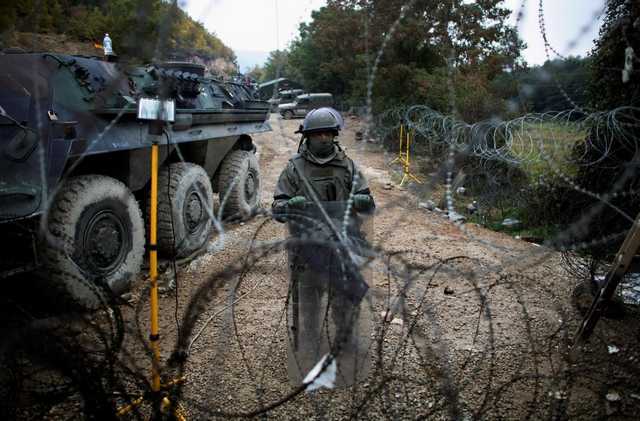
point(465, 323)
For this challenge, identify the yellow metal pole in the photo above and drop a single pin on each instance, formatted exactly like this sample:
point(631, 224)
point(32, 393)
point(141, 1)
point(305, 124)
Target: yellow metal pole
point(406, 153)
point(154, 338)
point(399, 157)
point(403, 133)
point(403, 156)
point(153, 271)
point(401, 141)
point(128, 408)
point(405, 159)
point(409, 139)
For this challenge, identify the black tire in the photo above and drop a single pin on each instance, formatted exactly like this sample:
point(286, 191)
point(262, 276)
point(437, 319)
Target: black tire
point(185, 207)
point(239, 185)
point(287, 115)
point(94, 232)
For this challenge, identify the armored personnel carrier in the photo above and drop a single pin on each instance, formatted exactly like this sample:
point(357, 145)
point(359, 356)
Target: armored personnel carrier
point(75, 163)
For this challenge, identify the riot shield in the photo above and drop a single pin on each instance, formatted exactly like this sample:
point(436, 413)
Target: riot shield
point(329, 312)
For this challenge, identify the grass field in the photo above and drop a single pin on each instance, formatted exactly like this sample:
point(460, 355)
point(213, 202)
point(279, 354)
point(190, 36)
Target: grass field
point(545, 148)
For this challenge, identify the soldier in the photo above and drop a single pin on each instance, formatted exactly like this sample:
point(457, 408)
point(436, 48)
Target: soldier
point(321, 175)
point(321, 161)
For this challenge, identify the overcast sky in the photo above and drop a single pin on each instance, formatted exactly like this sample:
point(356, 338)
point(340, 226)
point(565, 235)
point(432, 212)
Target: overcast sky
point(571, 26)
point(252, 28)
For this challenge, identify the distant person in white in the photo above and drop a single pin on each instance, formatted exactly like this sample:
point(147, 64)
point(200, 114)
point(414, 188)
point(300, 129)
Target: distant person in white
point(106, 45)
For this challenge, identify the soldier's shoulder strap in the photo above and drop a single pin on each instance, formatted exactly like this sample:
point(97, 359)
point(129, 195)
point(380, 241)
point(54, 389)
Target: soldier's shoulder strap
point(352, 168)
point(295, 162)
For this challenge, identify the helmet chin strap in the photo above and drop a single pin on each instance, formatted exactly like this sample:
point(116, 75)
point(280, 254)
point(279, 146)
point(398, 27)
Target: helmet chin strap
point(302, 139)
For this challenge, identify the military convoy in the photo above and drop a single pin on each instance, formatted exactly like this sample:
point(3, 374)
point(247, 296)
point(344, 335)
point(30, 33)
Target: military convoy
point(75, 163)
point(284, 96)
point(302, 104)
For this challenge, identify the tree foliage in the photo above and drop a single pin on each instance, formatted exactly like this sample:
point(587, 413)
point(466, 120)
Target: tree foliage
point(348, 40)
point(618, 32)
point(277, 65)
point(610, 156)
point(257, 73)
point(555, 86)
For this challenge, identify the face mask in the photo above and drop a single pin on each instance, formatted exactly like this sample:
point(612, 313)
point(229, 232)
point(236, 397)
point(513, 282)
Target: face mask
point(321, 146)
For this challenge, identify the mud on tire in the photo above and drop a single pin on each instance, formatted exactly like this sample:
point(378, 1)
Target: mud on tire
point(185, 207)
point(239, 185)
point(94, 232)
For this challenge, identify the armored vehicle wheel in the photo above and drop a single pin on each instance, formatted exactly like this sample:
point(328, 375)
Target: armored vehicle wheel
point(239, 185)
point(185, 206)
point(288, 115)
point(95, 231)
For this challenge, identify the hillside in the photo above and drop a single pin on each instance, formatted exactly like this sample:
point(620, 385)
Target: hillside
point(141, 30)
point(58, 43)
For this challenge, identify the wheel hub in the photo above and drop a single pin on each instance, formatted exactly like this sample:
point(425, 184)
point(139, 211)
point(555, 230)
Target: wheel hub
point(193, 212)
point(249, 186)
point(104, 242)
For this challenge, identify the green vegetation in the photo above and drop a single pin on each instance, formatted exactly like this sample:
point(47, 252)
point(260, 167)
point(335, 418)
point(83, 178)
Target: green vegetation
point(337, 50)
point(459, 58)
point(493, 221)
point(463, 60)
point(609, 155)
point(142, 30)
point(549, 87)
point(277, 65)
point(546, 148)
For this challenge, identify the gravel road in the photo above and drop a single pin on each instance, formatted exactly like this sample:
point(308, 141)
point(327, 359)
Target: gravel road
point(466, 323)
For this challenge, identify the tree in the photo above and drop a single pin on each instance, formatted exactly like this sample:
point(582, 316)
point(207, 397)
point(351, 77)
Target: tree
point(618, 32)
point(277, 65)
point(142, 30)
point(554, 86)
point(257, 73)
point(610, 156)
point(7, 17)
point(338, 49)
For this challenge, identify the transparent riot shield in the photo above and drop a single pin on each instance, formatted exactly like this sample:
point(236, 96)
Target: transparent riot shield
point(329, 313)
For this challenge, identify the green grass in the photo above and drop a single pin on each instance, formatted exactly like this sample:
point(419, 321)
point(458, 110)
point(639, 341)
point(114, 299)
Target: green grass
point(546, 148)
point(493, 220)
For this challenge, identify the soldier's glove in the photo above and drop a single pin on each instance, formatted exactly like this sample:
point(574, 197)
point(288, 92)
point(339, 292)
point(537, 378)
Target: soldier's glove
point(297, 202)
point(362, 202)
point(279, 212)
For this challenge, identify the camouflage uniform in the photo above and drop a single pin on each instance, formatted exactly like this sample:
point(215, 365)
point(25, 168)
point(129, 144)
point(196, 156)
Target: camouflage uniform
point(319, 277)
point(331, 180)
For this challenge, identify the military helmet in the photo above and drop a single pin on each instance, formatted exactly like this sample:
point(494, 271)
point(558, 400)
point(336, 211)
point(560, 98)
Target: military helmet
point(321, 120)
